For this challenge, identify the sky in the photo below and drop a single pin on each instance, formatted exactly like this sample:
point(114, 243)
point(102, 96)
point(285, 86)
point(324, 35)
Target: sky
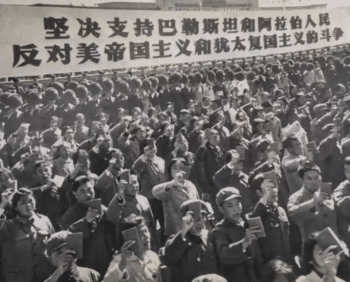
point(332, 3)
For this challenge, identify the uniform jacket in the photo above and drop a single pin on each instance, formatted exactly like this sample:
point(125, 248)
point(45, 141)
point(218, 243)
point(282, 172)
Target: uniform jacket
point(23, 252)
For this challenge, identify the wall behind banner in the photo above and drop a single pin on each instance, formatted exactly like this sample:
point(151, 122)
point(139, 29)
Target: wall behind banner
point(42, 40)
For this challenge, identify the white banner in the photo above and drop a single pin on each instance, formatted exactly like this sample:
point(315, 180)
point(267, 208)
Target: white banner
point(44, 40)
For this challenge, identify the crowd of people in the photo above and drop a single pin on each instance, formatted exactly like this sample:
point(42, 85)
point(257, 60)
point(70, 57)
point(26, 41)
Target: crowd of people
point(230, 173)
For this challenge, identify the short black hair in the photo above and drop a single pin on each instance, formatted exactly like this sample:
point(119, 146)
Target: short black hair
point(81, 180)
point(287, 142)
point(17, 196)
point(171, 163)
point(308, 249)
point(307, 167)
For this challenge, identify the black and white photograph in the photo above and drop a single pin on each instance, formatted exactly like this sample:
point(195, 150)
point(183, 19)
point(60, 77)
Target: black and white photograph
point(175, 140)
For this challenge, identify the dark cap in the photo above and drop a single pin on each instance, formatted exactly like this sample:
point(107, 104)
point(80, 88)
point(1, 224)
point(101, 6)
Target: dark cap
point(56, 241)
point(150, 143)
point(186, 206)
point(227, 194)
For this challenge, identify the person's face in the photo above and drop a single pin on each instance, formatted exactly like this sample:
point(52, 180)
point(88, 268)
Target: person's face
point(347, 171)
point(273, 197)
point(55, 257)
point(69, 135)
point(241, 117)
point(185, 118)
point(64, 152)
point(198, 226)
point(85, 164)
point(150, 152)
point(105, 145)
point(23, 131)
point(169, 131)
point(144, 121)
point(44, 174)
point(170, 109)
point(214, 106)
point(119, 159)
point(183, 145)
point(140, 134)
point(261, 128)
point(85, 193)
point(214, 138)
point(317, 257)
point(94, 128)
point(136, 115)
point(260, 114)
point(145, 237)
point(176, 168)
point(302, 101)
point(312, 180)
point(296, 147)
point(26, 206)
point(4, 178)
point(232, 210)
point(133, 188)
point(268, 125)
point(81, 120)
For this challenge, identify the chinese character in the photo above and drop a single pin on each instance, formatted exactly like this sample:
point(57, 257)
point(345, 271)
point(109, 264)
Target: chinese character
point(28, 53)
point(248, 25)
point(299, 38)
point(284, 39)
point(167, 27)
point(202, 46)
point(311, 37)
point(310, 21)
point(264, 23)
point(190, 26)
point(337, 33)
point(88, 27)
point(118, 27)
point(270, 41)
point(139, 50)
point(58, 28)
point(63, 53)
point(211, 26)
point(238, 44)
point(162, 48)
point(230, 25)
point(281, 23)
point(182, 45)
point(295, 22)
point(325, 34)
point(88, 53)
point(221, 44)
point(145, 27)
point(254, 43)
point(324, 19)
point(115, 52)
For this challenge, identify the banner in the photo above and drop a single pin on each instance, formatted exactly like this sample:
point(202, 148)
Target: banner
point(47, 40)
point(290, 3)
